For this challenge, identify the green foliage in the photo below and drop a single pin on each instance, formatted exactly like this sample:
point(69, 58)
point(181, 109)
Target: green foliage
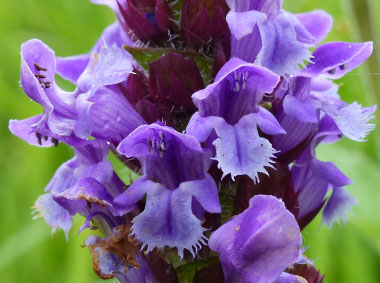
point(349, 253)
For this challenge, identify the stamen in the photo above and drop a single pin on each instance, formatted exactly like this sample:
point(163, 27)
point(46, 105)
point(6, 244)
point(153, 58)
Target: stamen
point(343, 67)
point(161, 153)
point(332, 71)
point(246, 75)
point(39, 138)
point(39, 76)
point(237, 86)
point(150, 146)
point(45, 138)
point(39, 68)
point(55, 142)
point(163, 145)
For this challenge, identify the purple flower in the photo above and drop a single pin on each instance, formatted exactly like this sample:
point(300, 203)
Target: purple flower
point(103, 111)
point(300, 103)
point(265, 34)
point(258, 244)
point(175, 174)
point(85, 184)
point(258, 115)
point(313, 178)
point(230, 107)
point(92, 109)
point(37, 80)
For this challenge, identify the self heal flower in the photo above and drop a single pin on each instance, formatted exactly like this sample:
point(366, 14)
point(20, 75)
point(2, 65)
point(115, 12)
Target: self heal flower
point(230, 106)
point(300, 102)
point(298, 114)
point(334, 60)
point(265, 34)
point(312, 179)
point(106, 115)
point(338, 205)
point(37, 80)
point(85, 184)
point(175, 174)
point(258, 244)
point(103, 111)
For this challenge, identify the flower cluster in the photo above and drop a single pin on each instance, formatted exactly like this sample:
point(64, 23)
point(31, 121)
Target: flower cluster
point(219, 106)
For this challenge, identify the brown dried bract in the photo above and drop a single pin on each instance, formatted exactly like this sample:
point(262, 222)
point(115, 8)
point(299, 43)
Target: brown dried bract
point(121, 245)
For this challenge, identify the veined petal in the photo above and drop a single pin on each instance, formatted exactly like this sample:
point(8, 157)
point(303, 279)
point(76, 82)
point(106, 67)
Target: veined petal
point(240, 150)
point(112, 116)
point(110, 66)
point(36, 52)
point(335, 59)
point(175, 174)
point(38, 82)
point(258, 244)
point(281, 52)
point(352, 119)
point(338, 206)
point(238, 88)
point(248, 47)
point(300, 109)
point(87, 190)
point(54, 214)
point(23, 129)
point(312, 178)
point(70, 68)
point(167, 220)
point(166, 156)
point(262, 78)
point(205, 192)
point(83, 126)
point(126, 201)
point(318, 23)
point(201, 127)
point(242, 23)
point(267, 123)
point(106, 115)
point(64, 177)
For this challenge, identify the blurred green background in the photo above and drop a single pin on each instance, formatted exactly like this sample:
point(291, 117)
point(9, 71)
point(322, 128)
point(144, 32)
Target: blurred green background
point(28, 252)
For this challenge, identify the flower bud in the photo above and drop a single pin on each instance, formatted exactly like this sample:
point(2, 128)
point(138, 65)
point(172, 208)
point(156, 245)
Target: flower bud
point(203, 22)
point(150, 21)
point(172, 80)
